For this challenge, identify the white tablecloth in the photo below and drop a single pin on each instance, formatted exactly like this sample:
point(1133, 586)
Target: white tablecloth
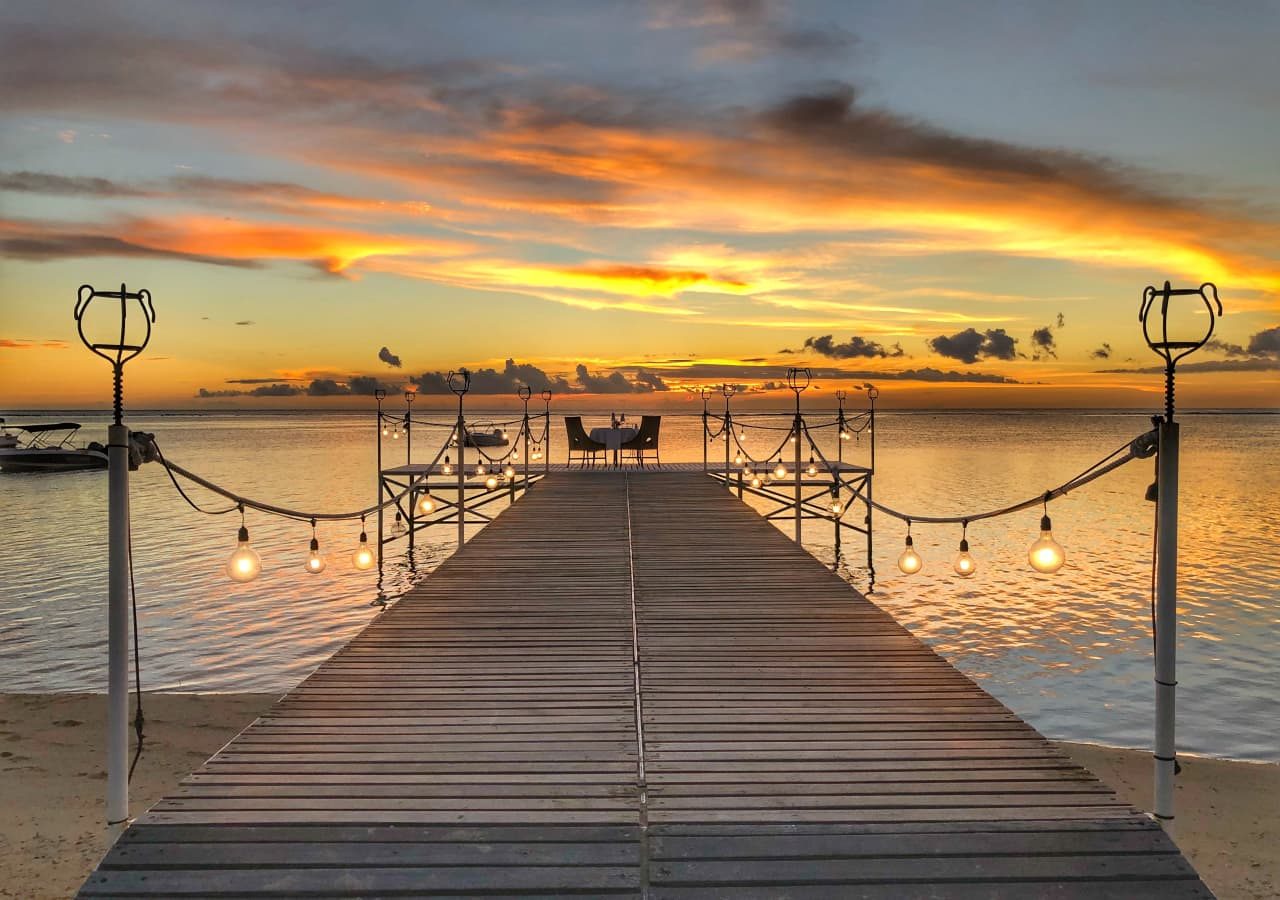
point(612, 438)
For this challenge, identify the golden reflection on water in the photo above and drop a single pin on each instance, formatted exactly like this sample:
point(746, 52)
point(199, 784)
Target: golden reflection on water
point(1070, 651)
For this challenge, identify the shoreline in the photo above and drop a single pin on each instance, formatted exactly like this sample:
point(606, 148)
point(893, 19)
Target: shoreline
point(53, 780)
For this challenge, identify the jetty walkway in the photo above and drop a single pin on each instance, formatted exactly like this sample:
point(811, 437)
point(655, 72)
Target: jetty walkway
point(633, 685)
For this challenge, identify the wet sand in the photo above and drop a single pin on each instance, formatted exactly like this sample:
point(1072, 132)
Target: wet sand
point(52, 781)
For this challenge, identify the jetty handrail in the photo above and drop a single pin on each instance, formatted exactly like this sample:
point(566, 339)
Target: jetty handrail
point(241, 501)
point(1141, 447)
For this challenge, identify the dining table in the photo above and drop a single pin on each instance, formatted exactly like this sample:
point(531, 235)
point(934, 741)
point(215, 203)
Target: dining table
point(613, 438)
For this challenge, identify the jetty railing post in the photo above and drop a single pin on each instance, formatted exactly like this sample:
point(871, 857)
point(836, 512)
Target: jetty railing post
point(798, 380)
point(116, 351)
point(546, 432)
point(379, 395)
point(524, 392)
point(872, 393)
point(409, 397)
point(727, 389)
point(705, 394)
point(835, 476)
point(1166, 612)
point(460, 383)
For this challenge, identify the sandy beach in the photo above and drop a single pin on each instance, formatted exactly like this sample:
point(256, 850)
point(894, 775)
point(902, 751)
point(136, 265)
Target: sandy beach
point(52, 782)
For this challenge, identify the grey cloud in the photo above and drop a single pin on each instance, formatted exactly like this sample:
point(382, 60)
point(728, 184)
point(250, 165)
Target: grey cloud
point(491, 381)
point(1259, 364)
point(389, 358)
point(970, 345)
point(65, 185)
point(613, 383)
point(71, 245)
point(652, 379)
point(326, 387)
point(1103, 352)
point(365, 385)
point(851, 349)
point(245, 322)
point(1046, 344)
point(266, 390)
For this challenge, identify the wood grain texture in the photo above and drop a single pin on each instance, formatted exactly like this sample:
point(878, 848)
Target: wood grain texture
point(630, 684)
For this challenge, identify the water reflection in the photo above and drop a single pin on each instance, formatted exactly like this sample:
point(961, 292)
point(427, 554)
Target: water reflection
point(1071, 651)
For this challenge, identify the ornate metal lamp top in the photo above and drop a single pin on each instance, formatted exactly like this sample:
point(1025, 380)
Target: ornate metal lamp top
point(873, 392)
point(546, 396)
point(798, 379)
point(842, 395)
point(459, 381)
point(379, 394)
point(524, 392)
point(727, 389)
point(1170, 350)
point(410, 396)
point(116, 351)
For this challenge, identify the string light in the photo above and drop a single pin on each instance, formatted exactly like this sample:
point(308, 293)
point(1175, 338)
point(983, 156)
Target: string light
point(446, 469)
point(813, 466)
point(509, 472)
point(964, 564)
point(245, 564)
point(836, 506)
point(426, 504)
point(491, 482)
point(398, 527)
point(515, 452)
point(1046, 555)
point(738, 459)
point(363, 558)
point(395, 434)
point(780, 471)
point(385, 431)
point(480, 469)
point(505, 436)
point(910, 562)
point(315, 559)
point(755, 481)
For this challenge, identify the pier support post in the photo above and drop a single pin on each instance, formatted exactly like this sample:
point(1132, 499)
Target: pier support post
point(1166, 619)
point(798, 429)
point(379, 395)
point(118, 624)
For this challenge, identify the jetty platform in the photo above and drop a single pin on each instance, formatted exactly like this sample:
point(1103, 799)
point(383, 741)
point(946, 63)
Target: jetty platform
point(631, 684)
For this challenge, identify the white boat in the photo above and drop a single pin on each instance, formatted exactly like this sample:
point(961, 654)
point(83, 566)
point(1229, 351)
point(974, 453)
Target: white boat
point(495, 438)
point(51, 448)
point(7, 438)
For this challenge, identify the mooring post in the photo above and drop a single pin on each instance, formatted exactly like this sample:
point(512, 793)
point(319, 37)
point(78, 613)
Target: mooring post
point(1166, 612)
point(379, 395)
point(117, 351)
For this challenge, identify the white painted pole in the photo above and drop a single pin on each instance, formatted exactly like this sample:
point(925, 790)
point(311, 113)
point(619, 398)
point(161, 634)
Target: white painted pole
point(117, 624)
point(1166, 620)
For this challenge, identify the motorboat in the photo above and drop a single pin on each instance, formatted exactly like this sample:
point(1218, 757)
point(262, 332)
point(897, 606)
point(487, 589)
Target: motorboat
point(7, 438)
point(51, 448)
point(495, 438)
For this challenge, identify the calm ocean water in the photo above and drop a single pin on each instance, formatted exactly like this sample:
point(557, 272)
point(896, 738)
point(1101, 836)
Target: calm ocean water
point(1070, 652)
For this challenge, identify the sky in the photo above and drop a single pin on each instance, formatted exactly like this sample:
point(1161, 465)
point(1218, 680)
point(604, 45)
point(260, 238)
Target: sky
point(960, 203)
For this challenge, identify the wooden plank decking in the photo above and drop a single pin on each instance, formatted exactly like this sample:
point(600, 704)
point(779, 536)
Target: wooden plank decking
point(636, 686)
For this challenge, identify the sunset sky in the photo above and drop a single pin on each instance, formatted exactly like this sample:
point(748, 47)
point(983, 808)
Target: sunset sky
point(958, 202)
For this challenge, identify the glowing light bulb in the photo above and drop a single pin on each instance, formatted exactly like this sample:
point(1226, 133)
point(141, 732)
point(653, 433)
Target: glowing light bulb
point(755, 481)
point(426, 505)
point(1046, 555)
point(813, 467)
point(910, 562)
point(742, 434)
point(446, 469)
point(844, 435)
point(385, 431)
point(245, 564)
point(398, 527)
point(509, 472)
point(836, 506)
point(479, 469)
point(792, 439)
point(505, 436)
point(491, 482)
point(363, 558)
point(315, 559)
point(515, 454)
point(964, 564)
point(738, 459)
point(395, 435)
point(781, 471)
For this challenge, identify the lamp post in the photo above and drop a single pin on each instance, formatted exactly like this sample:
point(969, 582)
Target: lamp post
point(706, 395)
point(546, 432)
point(872, 393)
point(1166, 618)
point(460, 383)
point(524, 392)
point(727, 389)
point(117, 351)
point(798, 380)
point(409, 397)
point(379, 395)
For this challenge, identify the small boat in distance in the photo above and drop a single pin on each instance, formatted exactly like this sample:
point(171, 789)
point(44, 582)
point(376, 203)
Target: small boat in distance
point(50, 448)
point(7, 438)
point(495, 438)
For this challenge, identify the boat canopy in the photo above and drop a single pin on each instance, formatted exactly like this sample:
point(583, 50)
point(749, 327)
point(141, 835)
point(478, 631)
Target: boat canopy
point(55, 426)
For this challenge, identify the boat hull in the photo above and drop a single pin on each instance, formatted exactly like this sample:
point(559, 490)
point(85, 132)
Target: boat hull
point(51, 460)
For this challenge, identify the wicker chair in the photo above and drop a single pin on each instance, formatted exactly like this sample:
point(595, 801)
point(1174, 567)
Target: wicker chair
point(646, 440)
point(580, 442)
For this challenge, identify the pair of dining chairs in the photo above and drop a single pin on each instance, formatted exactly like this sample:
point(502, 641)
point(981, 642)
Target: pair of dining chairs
point(642, 445)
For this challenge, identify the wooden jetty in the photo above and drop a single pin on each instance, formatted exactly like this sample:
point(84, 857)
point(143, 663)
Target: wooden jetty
point(636, 686)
